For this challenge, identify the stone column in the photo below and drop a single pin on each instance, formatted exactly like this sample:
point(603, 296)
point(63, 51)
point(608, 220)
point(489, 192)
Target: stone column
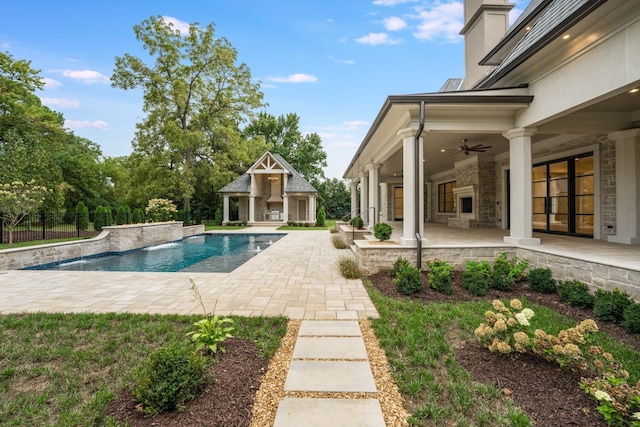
point(408, 182)
point(521, 232)
point(354, 198)
point(373, 194)
point(364, 196)
point(627, 186)
point(384, 202)
point(225, 209)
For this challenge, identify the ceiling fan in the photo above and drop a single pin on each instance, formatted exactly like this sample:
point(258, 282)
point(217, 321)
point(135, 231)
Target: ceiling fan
point(466, 149)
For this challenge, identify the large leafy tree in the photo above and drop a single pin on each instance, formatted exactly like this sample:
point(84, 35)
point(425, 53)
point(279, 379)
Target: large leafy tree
point(336, 197)
point(17, 200)
point(29, 131)
point(195, 98)
point(282, 135)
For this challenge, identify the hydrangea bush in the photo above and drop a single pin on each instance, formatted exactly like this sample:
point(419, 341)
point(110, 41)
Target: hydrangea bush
point(159, 210)
point(508, 329)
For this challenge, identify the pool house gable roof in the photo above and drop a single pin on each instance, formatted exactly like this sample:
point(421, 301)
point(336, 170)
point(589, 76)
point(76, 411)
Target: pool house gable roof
point(270, 164)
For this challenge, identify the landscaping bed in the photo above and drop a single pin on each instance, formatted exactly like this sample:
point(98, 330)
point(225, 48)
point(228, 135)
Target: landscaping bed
point(549, 395)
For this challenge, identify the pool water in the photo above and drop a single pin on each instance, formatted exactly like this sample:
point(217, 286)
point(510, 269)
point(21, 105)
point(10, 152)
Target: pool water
point(219, 253)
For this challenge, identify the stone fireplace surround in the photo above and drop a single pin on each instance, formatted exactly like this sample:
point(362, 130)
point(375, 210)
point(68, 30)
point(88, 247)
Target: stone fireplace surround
point(465, 219)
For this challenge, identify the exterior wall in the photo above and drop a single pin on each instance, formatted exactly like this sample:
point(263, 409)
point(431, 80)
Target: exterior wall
point(113, 239)
point(372, 259)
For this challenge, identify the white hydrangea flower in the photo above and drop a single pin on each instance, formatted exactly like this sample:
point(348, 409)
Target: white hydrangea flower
point(522, 319)
point(636, 415)
point(528, 313)
point(602, 395)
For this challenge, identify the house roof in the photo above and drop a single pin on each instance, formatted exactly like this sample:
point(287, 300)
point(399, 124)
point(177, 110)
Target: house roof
point(547, 20)
point(452, 85)
point(295, 182)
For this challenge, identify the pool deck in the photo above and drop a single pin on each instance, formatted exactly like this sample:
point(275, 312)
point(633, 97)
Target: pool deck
point(297, 277)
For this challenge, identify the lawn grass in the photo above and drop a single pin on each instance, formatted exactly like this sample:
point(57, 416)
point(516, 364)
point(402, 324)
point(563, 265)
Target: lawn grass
point(208, 227)
point(64, 369)
point(418, 340)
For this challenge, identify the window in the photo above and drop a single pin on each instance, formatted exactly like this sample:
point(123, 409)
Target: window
point(445, 197)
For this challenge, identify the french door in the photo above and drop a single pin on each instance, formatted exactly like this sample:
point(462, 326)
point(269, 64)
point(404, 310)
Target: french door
point(563, 200)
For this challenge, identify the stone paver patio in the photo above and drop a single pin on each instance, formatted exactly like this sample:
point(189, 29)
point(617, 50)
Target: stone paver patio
point(297, 277)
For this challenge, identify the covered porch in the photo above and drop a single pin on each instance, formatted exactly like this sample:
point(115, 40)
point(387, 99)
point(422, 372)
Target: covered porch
point(598, 263)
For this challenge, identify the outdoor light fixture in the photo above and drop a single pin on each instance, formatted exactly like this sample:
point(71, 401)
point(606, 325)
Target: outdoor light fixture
point(272, 178)
point(634, 90)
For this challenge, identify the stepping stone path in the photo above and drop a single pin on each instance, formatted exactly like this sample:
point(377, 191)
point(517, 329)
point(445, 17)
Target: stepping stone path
point(329, 358)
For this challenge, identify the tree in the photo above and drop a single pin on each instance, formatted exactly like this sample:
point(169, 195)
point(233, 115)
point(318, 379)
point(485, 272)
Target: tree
point(17, 200)
point(282, 136)
point(82, 216)
point(29, 132)
point(336, 197)
point(195, 97)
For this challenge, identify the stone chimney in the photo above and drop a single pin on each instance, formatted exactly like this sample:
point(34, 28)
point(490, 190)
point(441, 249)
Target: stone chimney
point(485, 22)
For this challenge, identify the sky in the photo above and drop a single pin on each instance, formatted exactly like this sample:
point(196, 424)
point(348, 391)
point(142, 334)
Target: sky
point(332, 62)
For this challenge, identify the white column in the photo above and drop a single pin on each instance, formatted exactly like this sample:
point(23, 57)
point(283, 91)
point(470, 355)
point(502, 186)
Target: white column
point(373, 194)
point(364, 196)
point(408, 182)
point(384, 202)
point(285, 198)
point(521, 232)
point(627, 186)
point(354, 198)
point(225, 209)
point(312, 208)
point(252, 200)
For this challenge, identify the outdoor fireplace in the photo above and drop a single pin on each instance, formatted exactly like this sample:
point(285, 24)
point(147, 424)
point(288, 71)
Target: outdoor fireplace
point(466, 215)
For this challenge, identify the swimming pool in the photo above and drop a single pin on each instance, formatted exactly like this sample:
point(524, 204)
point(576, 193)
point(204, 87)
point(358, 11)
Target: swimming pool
point(214, 253)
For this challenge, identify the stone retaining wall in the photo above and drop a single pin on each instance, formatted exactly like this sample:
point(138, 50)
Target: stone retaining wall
point(112, 239)
point(373, 258)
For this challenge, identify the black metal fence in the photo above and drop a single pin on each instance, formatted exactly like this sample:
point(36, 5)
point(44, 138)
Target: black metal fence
point(47, 226)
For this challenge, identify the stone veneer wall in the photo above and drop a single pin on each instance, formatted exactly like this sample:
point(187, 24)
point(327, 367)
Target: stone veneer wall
point(372, 259)
point(481, 176)
point(112, 239)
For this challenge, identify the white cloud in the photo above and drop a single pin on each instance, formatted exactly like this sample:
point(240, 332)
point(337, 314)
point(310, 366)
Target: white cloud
point(394, 23)
point(60, 102)
point(85, 76)
point(442, 21)
point(375, 39)
point(392, 2)
point(5, 45)
point(72, 60)
point(356, 123)
point(342, 61)
point(86, 124)
point(294, 78)
point(50, 83)
point(179, 25)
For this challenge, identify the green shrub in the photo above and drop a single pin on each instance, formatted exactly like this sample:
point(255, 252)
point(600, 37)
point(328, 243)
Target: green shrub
point(575, 292)
point(123, 214)
point(505, 272)
point(321, 218)
point(160, 210)
point(82, 216)
point(99, 218)
point(137, 217)
point(108, 215)
point(610, 305)
point(168, 378)
point(475, 277)
point(348, 268)
point(382, 231)
point(398, 264)
point(631, 322)
point(408, 279)
point(440, 276)
point(338, 243)
point(541, 280)
point(357, 222)
point(218, 216)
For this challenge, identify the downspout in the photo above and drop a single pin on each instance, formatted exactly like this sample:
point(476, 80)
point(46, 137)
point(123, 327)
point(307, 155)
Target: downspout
point(416, 184)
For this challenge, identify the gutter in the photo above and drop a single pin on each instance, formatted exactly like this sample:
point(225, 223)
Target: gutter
point(416, 184)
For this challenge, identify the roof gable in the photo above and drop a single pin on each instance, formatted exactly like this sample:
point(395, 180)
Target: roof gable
point(269, 163)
